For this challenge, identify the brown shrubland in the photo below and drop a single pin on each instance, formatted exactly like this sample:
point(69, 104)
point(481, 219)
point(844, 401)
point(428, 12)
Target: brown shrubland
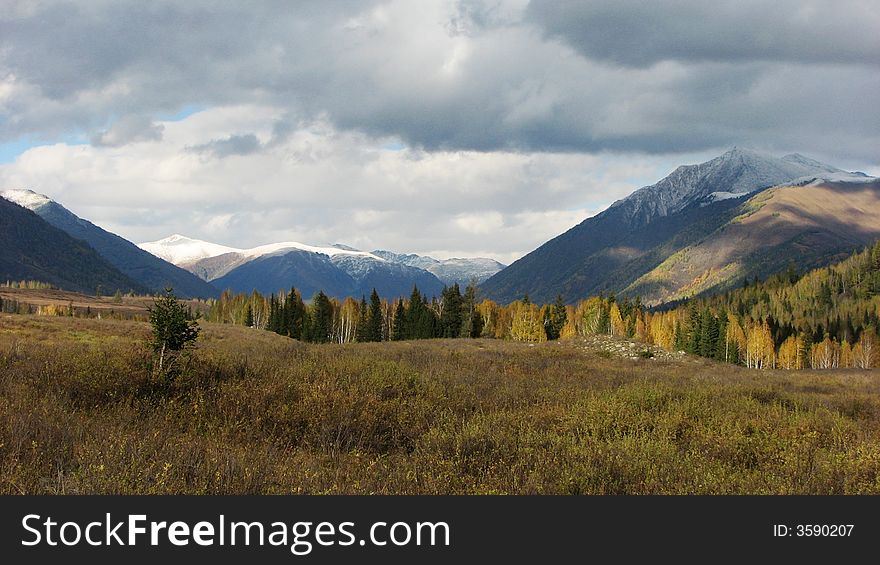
point(253, 412)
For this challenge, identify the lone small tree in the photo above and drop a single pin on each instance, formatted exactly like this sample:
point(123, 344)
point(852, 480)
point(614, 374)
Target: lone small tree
point(174, 332)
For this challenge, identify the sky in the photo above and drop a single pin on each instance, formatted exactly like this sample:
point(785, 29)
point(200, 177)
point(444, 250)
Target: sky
point(442, 127)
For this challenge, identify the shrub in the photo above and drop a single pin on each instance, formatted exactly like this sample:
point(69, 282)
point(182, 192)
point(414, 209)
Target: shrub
point(174, 333)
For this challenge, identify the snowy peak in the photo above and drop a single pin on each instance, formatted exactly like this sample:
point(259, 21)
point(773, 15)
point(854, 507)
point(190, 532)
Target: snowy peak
point(181, 250)
point(799, 159)
point(450, 271)
point(26, 198)
point(211, 261)
point(330, 251)
point(737, 172)
point(185, 251)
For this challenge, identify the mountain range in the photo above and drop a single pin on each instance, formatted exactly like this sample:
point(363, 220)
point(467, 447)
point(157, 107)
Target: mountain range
point(703, 229)
point(338, 270)
point(201, 269)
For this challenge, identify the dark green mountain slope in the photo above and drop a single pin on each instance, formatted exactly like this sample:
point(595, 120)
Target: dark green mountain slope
point(151, 271)
point(32, 249)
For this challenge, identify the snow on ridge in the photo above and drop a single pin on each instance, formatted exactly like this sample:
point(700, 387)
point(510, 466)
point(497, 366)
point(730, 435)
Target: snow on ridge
point(841, 176)
point(26, 198)
point(329, 251)
point(181, 250)
point(725, 195)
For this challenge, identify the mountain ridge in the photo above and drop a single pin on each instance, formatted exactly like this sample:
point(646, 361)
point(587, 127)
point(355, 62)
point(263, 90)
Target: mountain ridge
point(33, 249)
point(153, 273)
point(393, 274)
point(605, 252)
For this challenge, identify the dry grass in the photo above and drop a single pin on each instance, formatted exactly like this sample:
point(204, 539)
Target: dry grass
point(134, 307)
point(258, 413)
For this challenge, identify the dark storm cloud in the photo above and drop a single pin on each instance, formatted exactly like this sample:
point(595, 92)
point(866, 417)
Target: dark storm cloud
point(485, 75)
point(636, 32)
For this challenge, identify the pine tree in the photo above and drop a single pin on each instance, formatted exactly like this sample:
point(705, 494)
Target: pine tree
point(363, 330)
point(556, 318)
point(413, 315)
point(248, 317)
point(374, 324)
point(400, 322)
point(173, 333)
point(450, 317)
point(321, 319)
point(471, 321)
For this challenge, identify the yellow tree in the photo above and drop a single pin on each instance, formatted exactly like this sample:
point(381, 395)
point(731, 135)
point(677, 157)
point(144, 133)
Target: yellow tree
point(488, 311)
point(527, 323)
point(349, 313)
point(616, 326)
point(760, 352)
point(788, 357)
point(825, 354)
point(846, 357)
point(588, 316)
point(864, 353)
point(642, 332)
point(569, 329)
point(734, 340)
point(662, 329)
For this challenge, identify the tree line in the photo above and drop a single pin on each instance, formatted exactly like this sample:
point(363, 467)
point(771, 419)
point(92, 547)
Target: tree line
point(826, 318)
point(454, 314)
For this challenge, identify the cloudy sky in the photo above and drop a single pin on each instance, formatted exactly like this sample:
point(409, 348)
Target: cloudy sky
point(454, 128)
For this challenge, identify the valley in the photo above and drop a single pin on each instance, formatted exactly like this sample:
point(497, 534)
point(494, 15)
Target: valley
point(257, 413)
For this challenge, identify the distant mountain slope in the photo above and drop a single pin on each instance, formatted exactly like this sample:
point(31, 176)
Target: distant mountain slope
point(449, 271)
point(33, 249)
point(808, 226)
point(308, 272)
point(388, 278)
point(338, 270)
point(152, 272)
point(610, 251)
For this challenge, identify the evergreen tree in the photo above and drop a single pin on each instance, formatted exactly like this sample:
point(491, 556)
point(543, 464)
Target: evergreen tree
point(295, 315)
point(414, 315)
point(709, 334)
point(471, 321)
point(400, 322)
point(374, 323)
point(555, 318)
point(173, 333)
point(321, 319)
point(249, 316)
point(450, 317)
point(363, 330)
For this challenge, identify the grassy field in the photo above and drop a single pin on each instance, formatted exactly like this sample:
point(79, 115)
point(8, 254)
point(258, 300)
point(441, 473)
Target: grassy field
point(133, 307)
point(258, 413)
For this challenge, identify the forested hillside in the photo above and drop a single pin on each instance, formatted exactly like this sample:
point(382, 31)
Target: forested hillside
point(826, 318)
point(32, 249)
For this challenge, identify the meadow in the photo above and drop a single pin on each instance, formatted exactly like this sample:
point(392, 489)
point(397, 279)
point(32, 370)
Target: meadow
point(257, 413)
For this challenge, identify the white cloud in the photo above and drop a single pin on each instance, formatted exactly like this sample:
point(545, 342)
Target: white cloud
point(321, 185)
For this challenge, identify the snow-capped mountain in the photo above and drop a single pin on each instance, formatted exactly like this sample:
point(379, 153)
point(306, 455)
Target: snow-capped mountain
point(183, 251)
point(152, 273)
point(33, 249)
point(338, 270)
point(26, 198)
point(738, 172)
point(611, 250)
point(455, 270)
